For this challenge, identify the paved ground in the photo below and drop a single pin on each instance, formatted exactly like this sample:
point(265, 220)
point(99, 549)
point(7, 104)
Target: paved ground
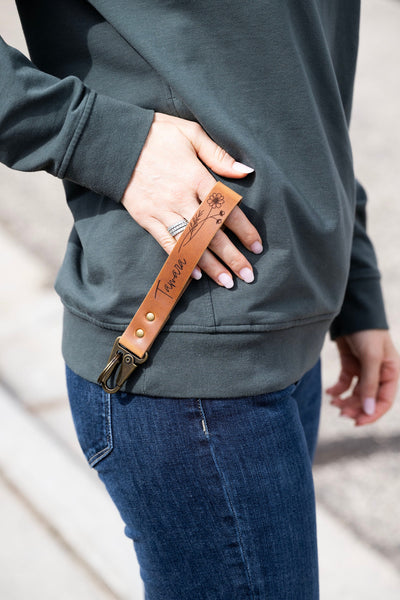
point(64, 536)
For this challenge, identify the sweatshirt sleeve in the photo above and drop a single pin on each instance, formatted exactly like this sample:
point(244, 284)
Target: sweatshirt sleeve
point(363, 305)
point(62, 127)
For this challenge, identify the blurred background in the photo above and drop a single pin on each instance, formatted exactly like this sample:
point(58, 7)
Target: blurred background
point(62, 537)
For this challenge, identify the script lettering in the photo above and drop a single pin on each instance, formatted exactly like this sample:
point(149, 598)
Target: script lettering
point(165, 287)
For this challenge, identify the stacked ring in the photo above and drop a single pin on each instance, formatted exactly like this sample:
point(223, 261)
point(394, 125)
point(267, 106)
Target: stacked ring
point(177, 228)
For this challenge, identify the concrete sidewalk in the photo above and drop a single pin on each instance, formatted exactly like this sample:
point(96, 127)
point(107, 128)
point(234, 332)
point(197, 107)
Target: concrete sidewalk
point(64, 537)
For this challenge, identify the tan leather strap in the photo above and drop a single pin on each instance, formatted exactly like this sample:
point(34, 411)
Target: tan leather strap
point(131, 349)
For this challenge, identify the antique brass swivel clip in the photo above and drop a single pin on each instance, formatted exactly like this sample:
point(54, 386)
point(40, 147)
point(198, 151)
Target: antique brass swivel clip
point(121, 364)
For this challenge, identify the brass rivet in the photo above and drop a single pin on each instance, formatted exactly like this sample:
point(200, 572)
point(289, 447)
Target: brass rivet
point(139, 333)
point(150, 316)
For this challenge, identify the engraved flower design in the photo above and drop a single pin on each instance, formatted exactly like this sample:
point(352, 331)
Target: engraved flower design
point(216, 200)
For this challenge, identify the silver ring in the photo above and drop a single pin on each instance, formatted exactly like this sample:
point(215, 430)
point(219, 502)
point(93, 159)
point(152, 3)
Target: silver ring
point(177, 228)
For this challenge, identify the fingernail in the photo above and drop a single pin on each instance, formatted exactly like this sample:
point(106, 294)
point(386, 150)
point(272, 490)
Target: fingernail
point(256, 248)
point(196, 273)
point(226, 280)
point(241, 168)
point(246, 274)
point(369, 406)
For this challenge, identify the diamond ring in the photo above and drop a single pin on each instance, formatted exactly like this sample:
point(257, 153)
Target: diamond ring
point(177, 228)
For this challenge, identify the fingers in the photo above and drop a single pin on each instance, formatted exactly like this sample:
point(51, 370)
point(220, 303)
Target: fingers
point(229, 255)
point(237, 221)
point(349, 406)
point(239, 224)
point(342, 385)
point(371, 357)
point(386, 394)
point(166, 187)
point(389, 381)
point(160, 232)
point(216, 157)
point(369, 379)
point(361, 402)
point(223, 248)
point(352, 407)
point(232, 260)
point(206, 149)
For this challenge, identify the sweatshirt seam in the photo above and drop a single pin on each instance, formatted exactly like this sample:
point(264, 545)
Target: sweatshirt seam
point(169, 96)
point(364, 278)
point(89, 102)
point(210, 329)
point(168, 91)
point(211, 305)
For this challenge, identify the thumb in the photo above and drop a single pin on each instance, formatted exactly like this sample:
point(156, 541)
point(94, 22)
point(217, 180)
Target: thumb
point(216, 157)
point(369, 382)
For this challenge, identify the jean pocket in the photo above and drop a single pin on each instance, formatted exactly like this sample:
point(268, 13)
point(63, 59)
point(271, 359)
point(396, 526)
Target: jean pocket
point(91, 413)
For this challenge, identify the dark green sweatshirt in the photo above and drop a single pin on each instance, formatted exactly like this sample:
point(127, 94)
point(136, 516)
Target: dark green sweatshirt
point(270, 81)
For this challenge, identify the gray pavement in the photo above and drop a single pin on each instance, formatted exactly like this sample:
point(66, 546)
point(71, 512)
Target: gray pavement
point(64, 536)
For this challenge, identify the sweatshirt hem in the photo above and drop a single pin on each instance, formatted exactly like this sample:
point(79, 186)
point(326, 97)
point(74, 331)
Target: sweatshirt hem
point(204, 365)
point(118, 328)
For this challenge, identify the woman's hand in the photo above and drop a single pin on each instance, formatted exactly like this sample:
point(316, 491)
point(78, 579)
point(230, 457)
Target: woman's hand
point(369, 358)
point(167, 184)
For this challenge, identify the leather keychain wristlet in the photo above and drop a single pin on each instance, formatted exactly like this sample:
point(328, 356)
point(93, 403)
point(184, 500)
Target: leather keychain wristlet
point(131, 349)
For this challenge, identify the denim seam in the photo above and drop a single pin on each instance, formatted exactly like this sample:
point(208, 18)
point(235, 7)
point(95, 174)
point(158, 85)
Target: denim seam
point(203, 420)
point(96, 457)
point(93, 460)
point(230, 503)
point(236, 521)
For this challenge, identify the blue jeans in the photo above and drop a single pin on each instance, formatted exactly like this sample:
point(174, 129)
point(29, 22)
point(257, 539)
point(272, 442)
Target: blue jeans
point(216, 494)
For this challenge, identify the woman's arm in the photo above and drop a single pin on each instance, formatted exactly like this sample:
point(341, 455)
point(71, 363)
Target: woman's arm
point(62, 127)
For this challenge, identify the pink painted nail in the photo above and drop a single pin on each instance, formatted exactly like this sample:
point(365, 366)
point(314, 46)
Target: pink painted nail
point(241, 168)
point(196, 273)
point(246, 274)
point(256, 248)
point(369, 406)
point(226, 280)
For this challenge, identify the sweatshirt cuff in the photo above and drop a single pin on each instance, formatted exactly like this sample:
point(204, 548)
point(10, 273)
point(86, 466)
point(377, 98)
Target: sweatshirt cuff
point(363, 308)
point(105, 151)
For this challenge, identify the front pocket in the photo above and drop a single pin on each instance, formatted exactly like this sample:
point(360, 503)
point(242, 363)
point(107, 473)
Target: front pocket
point(91, 413)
